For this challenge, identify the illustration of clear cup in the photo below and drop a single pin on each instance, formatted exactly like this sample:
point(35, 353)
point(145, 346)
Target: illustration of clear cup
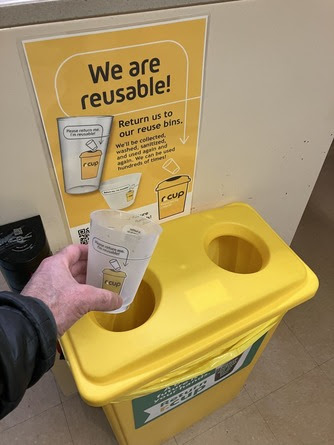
point(120, 192)
point(120, 247)
point(83, 145)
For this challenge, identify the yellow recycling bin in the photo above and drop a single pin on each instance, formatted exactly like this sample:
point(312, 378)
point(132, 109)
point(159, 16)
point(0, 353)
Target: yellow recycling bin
point(216, 288)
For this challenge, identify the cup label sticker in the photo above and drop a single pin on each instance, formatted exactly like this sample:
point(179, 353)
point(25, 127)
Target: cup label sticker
point(152, 406)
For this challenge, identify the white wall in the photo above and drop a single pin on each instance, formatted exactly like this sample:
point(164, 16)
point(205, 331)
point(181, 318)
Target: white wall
point(267, 114)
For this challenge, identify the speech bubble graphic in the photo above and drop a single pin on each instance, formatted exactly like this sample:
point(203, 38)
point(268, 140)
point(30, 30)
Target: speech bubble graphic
point(111, 250)
point(83, 131)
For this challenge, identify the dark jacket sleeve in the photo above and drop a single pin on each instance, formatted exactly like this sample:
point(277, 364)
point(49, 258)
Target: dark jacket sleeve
point(28, 337)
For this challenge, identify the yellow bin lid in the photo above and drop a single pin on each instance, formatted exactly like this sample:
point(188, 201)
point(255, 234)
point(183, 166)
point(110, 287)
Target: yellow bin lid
point(213, 277)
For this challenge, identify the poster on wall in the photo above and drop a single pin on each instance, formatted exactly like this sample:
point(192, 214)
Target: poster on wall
point(121, 113)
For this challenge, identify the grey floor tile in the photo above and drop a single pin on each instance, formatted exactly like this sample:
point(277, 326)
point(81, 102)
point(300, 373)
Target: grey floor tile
point(301, 412)
point(47, 428)
point(87, 425)
point(240, 402)
point(171, 441)
point(39, 398)
point(283, 360)
point(312, 323)
point(328, 369)
point(64, 398)
point(244, 428)
point(64, 379)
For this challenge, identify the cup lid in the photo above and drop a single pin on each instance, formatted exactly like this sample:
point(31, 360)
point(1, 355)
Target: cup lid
point(116, 273)
point(90, 154)
point(173, 181)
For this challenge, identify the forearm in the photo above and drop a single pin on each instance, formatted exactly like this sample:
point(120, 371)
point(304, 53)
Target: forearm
point(28, 337)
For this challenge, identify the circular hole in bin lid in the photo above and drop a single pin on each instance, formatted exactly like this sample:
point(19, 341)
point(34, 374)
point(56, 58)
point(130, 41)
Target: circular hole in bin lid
point(138, 313)
point(235, 254)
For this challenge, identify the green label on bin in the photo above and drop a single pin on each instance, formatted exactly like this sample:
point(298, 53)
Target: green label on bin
point(152, 406)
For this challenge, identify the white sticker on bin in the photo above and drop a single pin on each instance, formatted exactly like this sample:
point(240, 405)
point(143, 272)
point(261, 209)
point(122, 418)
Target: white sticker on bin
point(152, 406)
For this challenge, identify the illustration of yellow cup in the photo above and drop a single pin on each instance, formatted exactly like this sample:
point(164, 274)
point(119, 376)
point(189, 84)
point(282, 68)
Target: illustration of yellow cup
point(172, 194)
point(90, 162)
point(130, 195)
point(113, 280)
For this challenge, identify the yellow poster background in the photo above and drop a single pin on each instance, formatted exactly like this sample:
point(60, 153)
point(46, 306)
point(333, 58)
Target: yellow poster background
point(149, 78)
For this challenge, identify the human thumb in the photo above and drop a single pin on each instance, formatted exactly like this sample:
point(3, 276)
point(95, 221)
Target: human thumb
point(103, 300)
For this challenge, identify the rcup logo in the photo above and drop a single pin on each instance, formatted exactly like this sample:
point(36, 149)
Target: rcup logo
point(172, 196)
point(90, 164)
point(112, 283)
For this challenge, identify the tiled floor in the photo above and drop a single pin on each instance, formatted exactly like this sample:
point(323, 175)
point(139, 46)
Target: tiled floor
point(288, 399)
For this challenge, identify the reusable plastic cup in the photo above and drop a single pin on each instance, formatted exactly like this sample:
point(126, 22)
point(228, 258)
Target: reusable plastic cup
point(119, 250)
point(120, 192)
point(83, 144)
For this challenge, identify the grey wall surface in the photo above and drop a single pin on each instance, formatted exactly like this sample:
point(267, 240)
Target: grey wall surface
point(33, 12)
